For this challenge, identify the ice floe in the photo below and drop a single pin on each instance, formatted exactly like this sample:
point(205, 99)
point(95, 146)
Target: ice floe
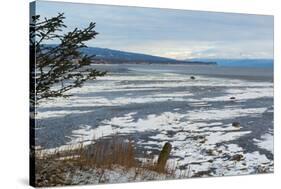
point(266, 142)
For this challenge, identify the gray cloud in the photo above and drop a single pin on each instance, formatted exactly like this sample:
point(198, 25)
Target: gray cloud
point(172, 33)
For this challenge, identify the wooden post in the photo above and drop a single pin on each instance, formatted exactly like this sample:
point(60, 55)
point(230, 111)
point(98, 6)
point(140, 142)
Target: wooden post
point(163, 157)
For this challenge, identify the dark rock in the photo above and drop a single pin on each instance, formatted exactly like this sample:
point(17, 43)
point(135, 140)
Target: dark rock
point(237, 157)
point(232, 98)
point(201, 137)
point(203, 141)
point(202, 173)
point(210, 152)
point(236, 124)
point(192, 77)
point(198, 137)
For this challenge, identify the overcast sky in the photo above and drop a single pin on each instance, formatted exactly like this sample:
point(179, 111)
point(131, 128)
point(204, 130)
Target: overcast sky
point(170, 33)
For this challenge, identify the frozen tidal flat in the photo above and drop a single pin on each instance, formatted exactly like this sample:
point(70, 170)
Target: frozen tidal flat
point(153, 106)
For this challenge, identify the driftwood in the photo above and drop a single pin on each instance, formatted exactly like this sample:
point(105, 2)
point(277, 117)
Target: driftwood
point(163, 157)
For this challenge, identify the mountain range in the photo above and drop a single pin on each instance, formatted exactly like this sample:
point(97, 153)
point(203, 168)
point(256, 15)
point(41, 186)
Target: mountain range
point(111, 56)
point(116, 56)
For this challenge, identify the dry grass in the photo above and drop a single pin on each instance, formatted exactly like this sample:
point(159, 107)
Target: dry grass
point(103, 154)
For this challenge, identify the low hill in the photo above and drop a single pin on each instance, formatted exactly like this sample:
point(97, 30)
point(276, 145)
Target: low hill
point(116, 56)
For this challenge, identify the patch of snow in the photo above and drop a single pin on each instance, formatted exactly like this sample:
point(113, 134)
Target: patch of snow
point(220, 114)
point(218, 137)
point(244, 94)
point(266, 142)
point(61, 113)
point(117, 174)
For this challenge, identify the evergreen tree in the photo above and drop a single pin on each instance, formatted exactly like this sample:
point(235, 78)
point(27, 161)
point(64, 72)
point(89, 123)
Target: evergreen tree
point(56, 69)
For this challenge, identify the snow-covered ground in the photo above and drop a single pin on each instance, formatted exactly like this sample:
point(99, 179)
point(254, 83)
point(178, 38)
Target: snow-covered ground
point(153, 107)
point(116, 174)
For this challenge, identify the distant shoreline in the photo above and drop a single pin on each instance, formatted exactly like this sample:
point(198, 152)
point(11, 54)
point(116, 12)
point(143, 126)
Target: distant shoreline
point(208, 70)
point(120, 61)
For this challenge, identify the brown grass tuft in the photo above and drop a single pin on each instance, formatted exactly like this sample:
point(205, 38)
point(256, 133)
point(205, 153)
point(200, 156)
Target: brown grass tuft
point(52, 169)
